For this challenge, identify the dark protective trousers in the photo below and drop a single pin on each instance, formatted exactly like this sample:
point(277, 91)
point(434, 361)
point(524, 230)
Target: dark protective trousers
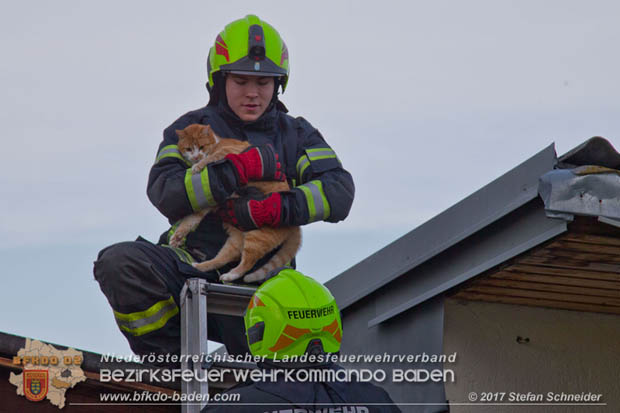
point(142, 282)
point(286, 394)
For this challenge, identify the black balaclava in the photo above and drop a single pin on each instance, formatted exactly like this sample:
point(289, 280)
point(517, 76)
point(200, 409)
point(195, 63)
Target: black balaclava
point(217, 95)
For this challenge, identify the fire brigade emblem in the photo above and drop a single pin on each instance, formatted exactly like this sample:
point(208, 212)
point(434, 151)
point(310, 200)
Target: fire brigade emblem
point(47, 372)
point(35, 384)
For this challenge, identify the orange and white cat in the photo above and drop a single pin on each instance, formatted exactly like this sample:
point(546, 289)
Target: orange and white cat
point(200, 146)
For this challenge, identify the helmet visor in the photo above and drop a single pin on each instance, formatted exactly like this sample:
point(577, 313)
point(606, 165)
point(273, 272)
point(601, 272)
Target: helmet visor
point(247, 66)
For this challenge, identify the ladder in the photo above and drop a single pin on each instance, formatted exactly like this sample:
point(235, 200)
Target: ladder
point(198, 297)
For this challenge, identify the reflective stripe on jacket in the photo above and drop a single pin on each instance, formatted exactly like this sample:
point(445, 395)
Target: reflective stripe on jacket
point(324, 189)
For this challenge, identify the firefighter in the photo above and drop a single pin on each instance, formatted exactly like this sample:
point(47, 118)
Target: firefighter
point(248, 66)
point(293, 323)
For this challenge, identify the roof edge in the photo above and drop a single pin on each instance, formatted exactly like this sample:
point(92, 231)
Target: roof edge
point(485, 206)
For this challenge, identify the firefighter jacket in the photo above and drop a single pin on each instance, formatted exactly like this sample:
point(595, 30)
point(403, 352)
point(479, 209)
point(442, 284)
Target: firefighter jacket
point(321, 188)
point(288, 395)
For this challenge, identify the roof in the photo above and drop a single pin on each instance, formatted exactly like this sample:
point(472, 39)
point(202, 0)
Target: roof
point(494, 224)
point(86, 394)
point(93, 363)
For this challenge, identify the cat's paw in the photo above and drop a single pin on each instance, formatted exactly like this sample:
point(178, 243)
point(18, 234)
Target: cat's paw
point(204, 266)
point(258, 275)
point(230, 276)
point(196, 169)
point(176, 240)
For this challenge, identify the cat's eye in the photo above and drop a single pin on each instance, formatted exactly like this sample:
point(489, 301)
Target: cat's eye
point(201, 147)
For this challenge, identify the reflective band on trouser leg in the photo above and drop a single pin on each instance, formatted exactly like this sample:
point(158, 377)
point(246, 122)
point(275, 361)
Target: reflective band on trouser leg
point(142, 322)
point(170, 151)
point(318, 207)
point(199, 190)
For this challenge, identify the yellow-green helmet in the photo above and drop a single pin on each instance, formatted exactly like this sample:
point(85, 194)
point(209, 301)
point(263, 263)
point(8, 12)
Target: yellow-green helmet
point(291, 314)
point(249, 46)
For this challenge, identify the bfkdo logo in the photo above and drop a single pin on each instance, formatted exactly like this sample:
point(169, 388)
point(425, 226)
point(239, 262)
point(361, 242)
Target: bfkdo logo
point(36, 384)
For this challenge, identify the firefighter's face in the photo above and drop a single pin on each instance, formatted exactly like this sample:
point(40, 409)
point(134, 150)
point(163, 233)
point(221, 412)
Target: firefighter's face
point(249, 96)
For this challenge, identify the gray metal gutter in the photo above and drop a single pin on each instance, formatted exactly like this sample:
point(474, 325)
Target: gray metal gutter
point(512, 235)
point(485, 206)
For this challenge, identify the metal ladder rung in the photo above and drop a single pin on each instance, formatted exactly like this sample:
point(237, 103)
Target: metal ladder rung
point(227, 299)
point(222, 299)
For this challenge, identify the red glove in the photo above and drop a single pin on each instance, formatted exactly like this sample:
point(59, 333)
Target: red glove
point(257, 163)
point(252, 212)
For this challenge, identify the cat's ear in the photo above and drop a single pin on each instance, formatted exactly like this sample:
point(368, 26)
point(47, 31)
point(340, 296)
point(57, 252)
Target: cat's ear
point(180, 133)
point(208, 132)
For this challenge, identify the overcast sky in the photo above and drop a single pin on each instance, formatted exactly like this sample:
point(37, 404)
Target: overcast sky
point(424, 102)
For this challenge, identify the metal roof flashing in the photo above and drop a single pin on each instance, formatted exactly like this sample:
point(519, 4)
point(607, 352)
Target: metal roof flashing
point(595, 151)
point(560, 182)
point(587, 183)
point(485, 206)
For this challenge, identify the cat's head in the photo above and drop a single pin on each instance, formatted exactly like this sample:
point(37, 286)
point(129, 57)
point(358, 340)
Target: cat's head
point(196, 141)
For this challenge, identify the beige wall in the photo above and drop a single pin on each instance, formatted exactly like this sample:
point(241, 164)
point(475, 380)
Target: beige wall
point(568, 351)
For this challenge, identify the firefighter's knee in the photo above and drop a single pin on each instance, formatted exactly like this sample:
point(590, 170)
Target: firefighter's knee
point(112, 263)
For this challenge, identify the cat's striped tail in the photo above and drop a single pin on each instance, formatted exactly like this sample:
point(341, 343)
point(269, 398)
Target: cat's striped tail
point(285, 254)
